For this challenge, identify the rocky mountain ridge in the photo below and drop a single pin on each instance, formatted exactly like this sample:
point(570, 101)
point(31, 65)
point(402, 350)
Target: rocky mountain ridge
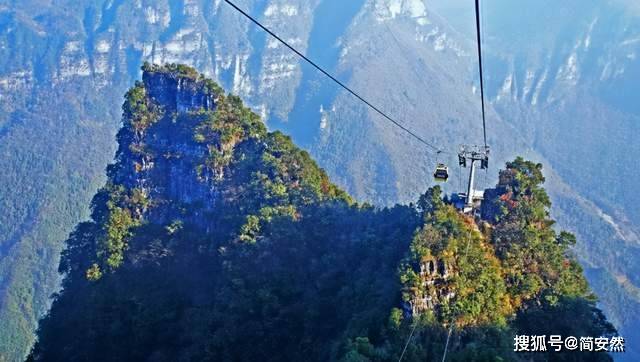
point(232, 241)
point(80, 56)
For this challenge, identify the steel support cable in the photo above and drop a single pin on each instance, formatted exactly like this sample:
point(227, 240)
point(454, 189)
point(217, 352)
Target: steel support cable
point(345, 87)
point(446, 346)
point(415, 324)
point(484, 123)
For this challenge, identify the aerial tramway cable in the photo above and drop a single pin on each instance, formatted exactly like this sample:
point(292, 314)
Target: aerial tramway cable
point(479, 40)
point(369, 104)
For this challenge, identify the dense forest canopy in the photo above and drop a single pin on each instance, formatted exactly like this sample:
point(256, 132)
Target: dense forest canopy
point(214, 239)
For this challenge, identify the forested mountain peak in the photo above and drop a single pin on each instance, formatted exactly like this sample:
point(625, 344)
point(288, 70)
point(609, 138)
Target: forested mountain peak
point(556, 90)
point(187, 150)
point(215, 239)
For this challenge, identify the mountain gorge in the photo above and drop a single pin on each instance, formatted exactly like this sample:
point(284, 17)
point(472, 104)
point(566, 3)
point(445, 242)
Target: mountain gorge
point(214, 239)
point(66, 63)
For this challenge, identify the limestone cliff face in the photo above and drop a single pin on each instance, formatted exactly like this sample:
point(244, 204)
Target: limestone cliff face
point(177, 93)
point(158, 155)
point(435, 289)
point(187, 150)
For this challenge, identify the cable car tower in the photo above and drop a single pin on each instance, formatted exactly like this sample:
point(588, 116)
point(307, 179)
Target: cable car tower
point(472, 156)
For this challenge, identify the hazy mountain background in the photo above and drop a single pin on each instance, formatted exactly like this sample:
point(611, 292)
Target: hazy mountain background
point(562, 82)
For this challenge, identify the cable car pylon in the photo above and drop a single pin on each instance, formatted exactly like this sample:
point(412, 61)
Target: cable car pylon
point(471, 155)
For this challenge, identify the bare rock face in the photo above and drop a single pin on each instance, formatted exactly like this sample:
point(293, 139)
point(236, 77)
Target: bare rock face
point(158, 154)
point(178, 93)
point(434, 276)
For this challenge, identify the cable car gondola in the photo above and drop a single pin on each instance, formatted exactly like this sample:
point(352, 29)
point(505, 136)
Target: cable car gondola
point(441, 173)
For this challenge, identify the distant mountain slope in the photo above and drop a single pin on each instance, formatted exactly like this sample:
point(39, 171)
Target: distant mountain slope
point(214, 239)
point(80, 56)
